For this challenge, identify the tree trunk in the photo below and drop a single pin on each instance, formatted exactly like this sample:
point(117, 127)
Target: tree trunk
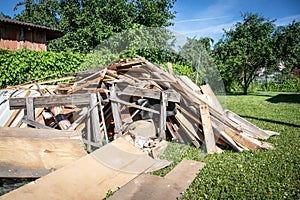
point(245, 84)
point(245, 89)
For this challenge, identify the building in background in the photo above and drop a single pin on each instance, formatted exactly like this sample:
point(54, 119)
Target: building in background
point(16, 35)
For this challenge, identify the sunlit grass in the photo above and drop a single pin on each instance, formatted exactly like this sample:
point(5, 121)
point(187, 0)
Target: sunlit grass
point(273, 174)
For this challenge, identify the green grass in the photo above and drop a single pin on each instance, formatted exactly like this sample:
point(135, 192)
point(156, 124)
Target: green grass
point(273, 174)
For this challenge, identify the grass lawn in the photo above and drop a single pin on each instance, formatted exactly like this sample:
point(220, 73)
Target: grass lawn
point(273, 174)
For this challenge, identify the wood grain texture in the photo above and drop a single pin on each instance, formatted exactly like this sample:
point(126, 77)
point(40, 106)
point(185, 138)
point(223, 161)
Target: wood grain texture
point(26, 152)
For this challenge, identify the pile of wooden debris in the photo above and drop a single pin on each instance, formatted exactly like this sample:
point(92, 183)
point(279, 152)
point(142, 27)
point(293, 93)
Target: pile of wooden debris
point(136, 98)
point(45, 125)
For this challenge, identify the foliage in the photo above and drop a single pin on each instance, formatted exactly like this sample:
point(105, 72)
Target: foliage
point(181, 70)
point(286, 85)
point(24, 65)
point(88, 23)
point(245, 49)
point(265, 174)
point(287, 45)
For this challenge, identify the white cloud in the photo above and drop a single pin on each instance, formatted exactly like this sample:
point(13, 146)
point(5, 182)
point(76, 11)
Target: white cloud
point(287, 20)
point(200, 19)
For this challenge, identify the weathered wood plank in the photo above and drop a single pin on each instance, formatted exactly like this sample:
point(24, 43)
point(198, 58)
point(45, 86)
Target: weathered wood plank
point(133, 105)
point(90, 177)
point(173, 96)
point(152, 187)
point(29, 112)
point(27, 152)
point(54, 100)
point(95, 123)
point(115, 107)
point(163, 115)
point(209, 138)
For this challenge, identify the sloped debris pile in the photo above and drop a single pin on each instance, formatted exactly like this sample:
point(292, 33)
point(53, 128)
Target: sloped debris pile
point(136, 99)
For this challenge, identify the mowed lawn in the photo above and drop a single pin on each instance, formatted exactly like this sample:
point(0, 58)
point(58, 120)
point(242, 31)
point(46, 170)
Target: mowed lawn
point(264, 174)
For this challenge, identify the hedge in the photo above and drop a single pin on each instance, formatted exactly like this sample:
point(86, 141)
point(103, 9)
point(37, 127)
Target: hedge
point(23, 66)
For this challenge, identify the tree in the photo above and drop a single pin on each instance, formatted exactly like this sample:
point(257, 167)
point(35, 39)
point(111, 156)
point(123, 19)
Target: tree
point(287, 45)
point(41, 12)
point(87, 23)
point(244, 49)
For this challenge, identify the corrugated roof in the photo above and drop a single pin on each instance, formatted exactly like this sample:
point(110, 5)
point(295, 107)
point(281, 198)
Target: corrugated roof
point(51, 33)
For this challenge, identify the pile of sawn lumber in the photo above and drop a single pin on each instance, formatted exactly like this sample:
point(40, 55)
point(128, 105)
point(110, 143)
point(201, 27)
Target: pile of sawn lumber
point(135, 97)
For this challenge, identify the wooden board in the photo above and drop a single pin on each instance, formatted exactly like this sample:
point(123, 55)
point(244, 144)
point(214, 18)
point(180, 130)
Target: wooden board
point(26, 152)
point(90, 177)
point(153, 187)
point(211, 97)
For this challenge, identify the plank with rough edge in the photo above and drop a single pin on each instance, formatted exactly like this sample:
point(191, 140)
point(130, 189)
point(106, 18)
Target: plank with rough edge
point(152, 187)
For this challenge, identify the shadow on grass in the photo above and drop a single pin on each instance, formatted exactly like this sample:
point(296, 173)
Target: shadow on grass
point(285, 98)
point(272, 121)
point(249, 94)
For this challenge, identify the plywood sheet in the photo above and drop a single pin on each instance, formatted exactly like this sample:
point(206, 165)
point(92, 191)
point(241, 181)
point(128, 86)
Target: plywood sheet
point(89, 177)
point(27, 152)
point(152, 187)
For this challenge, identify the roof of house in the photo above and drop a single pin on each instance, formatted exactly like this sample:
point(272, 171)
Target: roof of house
point(50, 32)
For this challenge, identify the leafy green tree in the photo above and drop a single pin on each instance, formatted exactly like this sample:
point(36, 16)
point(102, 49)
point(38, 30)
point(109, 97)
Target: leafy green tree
point(287, 45)
point(245, 49)
point(87, 23)
point(41, 12)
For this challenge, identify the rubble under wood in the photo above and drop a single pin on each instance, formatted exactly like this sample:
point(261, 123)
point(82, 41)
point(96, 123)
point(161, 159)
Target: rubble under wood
point(136, 99)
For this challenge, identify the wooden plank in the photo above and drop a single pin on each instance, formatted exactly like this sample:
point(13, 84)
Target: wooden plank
point(209, 138)
point(102, 116)
point(206, 89)
point(134, 105)
point(247, 126)
point(95, 123)
point(163, 115)
point(90, 177)
point(29, 112)
point(115, 107)
point(50, 101)
point(152, 187)
point(35, 124)
point(101, 76)
point(173, 96)
point(27, 152)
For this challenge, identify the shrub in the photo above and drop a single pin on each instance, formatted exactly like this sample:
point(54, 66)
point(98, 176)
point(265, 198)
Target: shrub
point(22, 66)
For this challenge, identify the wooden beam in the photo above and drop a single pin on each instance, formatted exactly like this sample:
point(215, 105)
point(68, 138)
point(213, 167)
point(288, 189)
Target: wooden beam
point(163, 115)
point(115, 107)
point(172, 95)
point(29, 112)
point(209, 138)
point(35, 124)
point(50, 101)
point(95, 123)
point(134, 105)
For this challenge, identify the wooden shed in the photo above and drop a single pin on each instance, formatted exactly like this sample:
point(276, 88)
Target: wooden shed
point(16, 35)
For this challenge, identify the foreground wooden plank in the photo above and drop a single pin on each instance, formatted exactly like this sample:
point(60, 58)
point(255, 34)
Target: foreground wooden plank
point(26, 152)
point(169, 187)
point(90, 177)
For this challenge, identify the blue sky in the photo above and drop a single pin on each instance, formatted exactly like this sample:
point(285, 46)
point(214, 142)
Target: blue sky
point(208, 18)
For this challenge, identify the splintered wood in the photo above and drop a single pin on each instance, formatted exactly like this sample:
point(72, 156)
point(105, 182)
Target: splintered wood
point(103, 103)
